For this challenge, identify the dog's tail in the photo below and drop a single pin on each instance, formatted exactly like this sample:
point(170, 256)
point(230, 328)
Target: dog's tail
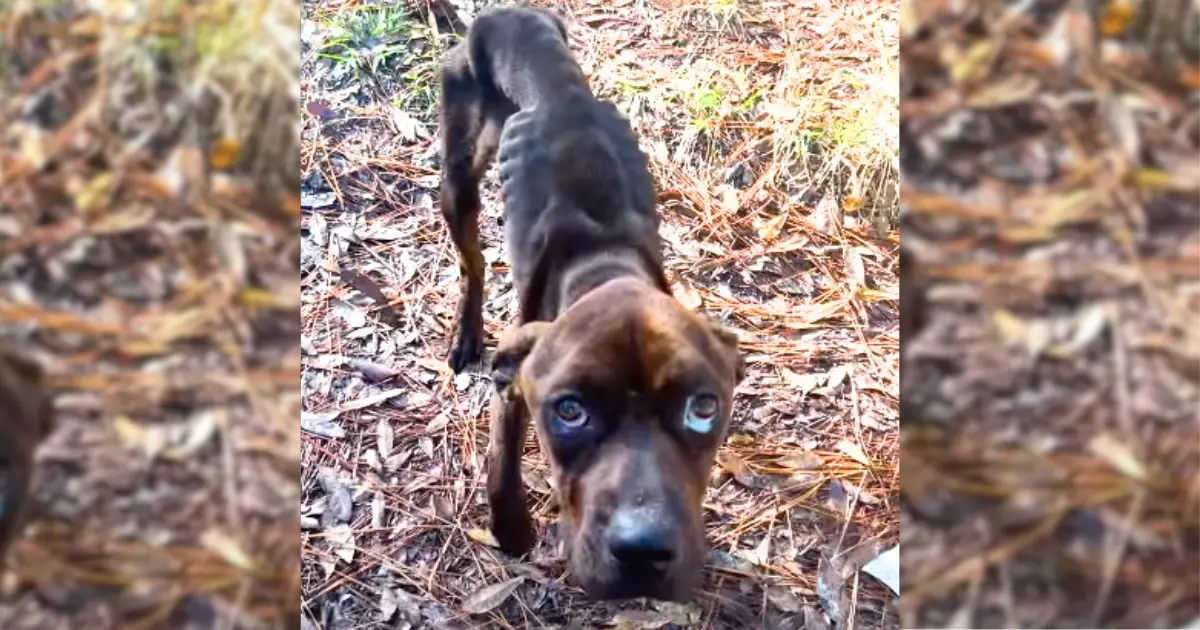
point(523, 54)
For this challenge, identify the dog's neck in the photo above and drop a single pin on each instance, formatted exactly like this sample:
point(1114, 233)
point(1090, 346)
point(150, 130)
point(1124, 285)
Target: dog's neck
point(601, 267)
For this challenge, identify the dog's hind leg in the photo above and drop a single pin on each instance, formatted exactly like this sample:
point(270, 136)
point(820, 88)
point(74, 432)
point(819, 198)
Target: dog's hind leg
point(462, 127)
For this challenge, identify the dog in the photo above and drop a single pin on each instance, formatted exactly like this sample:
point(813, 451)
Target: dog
point(24, 423)
point(630, 394)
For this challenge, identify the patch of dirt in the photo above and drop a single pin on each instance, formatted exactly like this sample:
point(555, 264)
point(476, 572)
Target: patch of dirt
point(1052, 197)
point(752, 116)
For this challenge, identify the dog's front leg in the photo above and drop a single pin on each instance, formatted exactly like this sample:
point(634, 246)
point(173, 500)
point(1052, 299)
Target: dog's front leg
point(512, 524)
point(462, 132)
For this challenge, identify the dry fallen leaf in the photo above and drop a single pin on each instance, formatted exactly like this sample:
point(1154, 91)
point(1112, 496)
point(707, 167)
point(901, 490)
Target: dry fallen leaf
point(729, 197)
point(150, 440)
point(836, 375)
point(96, 194)
point(378, 507)
point(762, 551)
point(1117, 17)
point(225, 153)
point(385, 438)
point(784, 599)
point(854, 451)
point(739, 469)
point(804, 382)
point(1033, 335)
point(438, 424)
point(321, 424)
point(341, 542)
point(483, 536)
point(1118, 454)
point(388, 604)
point(372, 400)
point(185, 440)
point(489, 597)
point(801, 460)
point(372, 371)
point(225, 546)
point(770, 230)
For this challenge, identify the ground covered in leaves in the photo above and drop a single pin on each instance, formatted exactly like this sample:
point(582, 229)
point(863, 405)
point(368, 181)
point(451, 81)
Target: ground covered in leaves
point(1052, 194)
point(771, 129)
point(148, 260)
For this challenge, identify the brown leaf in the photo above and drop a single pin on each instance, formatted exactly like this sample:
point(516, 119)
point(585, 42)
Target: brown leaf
point(363, 283)
point(224, 154)
point(319, 110)
point(771, 229)
point(483, 536)
point(739, 469)
point(854, 451)
point(489, 597)
point(801, 460)
point(1117, 17)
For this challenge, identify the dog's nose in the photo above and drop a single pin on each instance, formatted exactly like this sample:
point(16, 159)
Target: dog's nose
point(641, 539)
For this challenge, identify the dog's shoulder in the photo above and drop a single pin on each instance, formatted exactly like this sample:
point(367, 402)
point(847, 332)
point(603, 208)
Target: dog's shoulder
point(518, 19)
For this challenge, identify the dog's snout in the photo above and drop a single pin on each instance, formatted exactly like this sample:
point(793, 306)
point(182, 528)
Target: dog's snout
point(641, 538)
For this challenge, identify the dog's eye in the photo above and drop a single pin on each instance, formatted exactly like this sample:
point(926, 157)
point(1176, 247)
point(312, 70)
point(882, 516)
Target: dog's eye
point(570, 411)
point(702, 413)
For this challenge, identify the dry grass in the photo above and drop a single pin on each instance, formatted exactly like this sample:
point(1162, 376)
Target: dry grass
point(147, 257)
point(771, 132)
point(1053, 197)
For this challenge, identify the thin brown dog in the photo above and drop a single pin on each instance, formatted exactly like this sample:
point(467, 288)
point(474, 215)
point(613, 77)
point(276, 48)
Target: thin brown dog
point(25, 419)
point(629, 393)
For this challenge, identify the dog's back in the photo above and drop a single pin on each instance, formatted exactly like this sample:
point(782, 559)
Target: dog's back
point(505, 41)
point(575, 183)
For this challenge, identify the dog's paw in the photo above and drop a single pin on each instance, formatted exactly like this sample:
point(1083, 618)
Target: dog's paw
point(514, 536)
point(467, 350)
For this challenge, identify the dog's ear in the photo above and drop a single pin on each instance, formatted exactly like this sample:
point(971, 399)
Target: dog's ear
point(515, 344)
point(729, 339)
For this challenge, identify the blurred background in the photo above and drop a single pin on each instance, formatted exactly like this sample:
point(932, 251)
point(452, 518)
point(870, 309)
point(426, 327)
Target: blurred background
point(148, 251)
point(1050, 152)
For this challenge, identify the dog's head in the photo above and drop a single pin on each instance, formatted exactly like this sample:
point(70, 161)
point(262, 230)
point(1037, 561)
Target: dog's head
point(630, 395)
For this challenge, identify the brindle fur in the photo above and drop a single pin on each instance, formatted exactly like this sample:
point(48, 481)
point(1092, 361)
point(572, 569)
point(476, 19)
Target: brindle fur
point(596, 314)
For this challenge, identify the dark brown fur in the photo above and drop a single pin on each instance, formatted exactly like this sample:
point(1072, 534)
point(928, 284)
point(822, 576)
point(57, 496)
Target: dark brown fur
point(25, 419)
point(596, 315)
